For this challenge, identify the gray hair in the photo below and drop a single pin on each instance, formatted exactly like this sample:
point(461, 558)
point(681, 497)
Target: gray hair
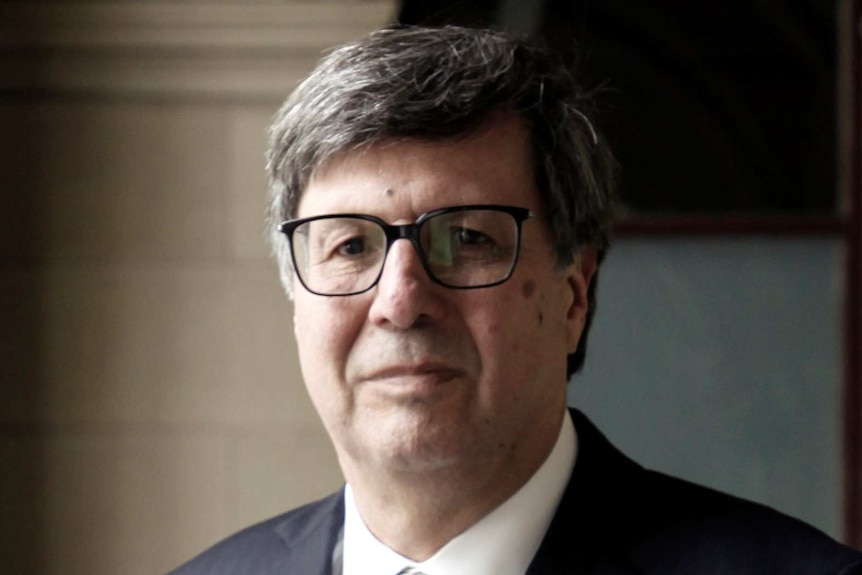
point(439, 83)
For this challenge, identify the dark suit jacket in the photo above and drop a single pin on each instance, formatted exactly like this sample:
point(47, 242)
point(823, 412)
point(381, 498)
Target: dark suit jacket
point(615, 518)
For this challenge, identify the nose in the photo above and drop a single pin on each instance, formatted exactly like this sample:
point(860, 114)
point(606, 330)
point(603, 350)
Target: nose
point(405, 296)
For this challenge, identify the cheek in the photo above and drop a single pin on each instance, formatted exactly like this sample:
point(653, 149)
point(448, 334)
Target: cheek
point(542, 320)
point(506, 331)
point(534, 301)
point(324, 334)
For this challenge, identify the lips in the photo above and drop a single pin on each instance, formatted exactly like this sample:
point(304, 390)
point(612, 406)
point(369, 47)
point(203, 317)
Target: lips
point(419, 372)
point(426, 357)
point(412, 382)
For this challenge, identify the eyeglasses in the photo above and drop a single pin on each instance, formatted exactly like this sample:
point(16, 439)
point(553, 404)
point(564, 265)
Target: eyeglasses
point(461, 247)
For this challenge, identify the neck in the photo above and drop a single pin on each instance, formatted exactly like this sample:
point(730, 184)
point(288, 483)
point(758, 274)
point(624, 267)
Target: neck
point(416, 513)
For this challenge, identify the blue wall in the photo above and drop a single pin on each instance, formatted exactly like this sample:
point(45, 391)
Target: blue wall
point(720, 361)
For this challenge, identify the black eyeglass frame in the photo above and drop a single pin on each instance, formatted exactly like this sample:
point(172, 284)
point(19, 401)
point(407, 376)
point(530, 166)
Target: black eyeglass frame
point(411, 232)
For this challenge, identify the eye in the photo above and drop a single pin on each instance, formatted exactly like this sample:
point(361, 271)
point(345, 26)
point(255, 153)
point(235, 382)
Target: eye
point(352, 247)
point(469, 237)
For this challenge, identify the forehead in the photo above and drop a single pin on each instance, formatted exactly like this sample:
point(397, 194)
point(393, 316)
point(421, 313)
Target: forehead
point(404, 178)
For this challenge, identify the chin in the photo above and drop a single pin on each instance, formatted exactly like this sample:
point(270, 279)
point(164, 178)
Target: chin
point(413, 449)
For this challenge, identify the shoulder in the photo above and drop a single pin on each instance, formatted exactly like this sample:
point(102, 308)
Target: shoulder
point(687, 526)
point(302, 537)
point(653, 523)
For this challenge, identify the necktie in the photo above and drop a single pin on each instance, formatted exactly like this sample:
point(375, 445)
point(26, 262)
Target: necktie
point(409, 571)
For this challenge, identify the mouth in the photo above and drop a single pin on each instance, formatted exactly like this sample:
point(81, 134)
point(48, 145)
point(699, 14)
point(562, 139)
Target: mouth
point(411, 379)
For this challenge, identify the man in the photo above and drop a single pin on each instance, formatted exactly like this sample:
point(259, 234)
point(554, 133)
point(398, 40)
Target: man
point(441, 203)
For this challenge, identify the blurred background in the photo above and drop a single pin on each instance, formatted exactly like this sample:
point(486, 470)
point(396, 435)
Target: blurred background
point(150, 398)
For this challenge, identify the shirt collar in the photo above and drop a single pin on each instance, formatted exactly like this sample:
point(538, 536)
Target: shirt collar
point(501, 543)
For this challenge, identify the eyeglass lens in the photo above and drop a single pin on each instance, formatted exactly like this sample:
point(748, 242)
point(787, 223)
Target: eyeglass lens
point(469, 248)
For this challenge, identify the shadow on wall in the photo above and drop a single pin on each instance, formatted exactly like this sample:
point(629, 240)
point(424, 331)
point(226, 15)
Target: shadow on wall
point(23, 505)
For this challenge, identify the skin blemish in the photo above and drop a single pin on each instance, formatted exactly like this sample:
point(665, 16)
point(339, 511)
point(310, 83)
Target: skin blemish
point(541, 318)
point(528, 288)
point(389, 192)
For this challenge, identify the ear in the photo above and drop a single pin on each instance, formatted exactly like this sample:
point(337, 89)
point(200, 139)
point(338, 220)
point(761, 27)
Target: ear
point(579, 275)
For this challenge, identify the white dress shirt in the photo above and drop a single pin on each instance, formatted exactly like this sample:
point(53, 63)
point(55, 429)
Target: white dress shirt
point(501, 543)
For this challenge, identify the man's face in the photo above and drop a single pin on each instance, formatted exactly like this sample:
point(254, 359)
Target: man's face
point(411, 375)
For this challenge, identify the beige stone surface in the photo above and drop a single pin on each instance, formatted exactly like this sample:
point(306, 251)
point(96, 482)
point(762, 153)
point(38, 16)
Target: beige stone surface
point(194, 343)
point(18, 159)
point(273, 466)
point(21, 330)
point(112, 499)
point(101, 180)
point(132, 500)
point(247, 187)
point(151, 401)
point(23, 519)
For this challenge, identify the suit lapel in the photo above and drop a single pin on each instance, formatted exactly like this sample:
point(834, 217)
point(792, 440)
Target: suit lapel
point(590, 534)
point(312, 537)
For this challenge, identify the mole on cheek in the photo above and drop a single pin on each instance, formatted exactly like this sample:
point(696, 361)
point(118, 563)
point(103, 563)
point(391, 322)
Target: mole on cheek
point(541, 318)
point(388, 192)
point(528, 288)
